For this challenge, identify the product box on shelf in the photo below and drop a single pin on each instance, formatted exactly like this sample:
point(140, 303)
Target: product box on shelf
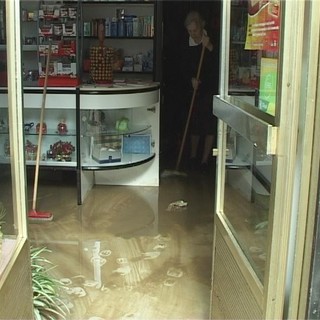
point(67, 48)
point(137, 143)
point(59, 81)
point(128, 64)
point(103, 154)
point(101, 64)
point(69, 29)
point(43, 49)
point(46, 30)
point(106, 148)
point(49, 11)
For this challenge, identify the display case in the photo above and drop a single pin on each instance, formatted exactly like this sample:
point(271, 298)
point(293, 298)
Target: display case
point(59, 142)
point(119, 135)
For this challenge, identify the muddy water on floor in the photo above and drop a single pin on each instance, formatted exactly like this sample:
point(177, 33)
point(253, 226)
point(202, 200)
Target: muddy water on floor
point(122, 254)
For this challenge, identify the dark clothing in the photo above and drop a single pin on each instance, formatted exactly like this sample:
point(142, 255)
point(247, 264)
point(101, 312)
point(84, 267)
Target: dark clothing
point(202, 121)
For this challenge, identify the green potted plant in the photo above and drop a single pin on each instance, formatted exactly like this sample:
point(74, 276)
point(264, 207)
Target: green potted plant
point(47, 291)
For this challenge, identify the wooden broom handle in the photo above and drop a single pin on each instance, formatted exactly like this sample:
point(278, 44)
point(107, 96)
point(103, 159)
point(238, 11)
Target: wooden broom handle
point(190, 110)
point(36, 175)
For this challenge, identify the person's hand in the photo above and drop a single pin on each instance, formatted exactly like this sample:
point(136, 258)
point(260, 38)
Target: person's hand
point(207, 43)
point(195, 83)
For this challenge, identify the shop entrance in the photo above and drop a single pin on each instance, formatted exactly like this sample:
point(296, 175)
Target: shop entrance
point(265, 135)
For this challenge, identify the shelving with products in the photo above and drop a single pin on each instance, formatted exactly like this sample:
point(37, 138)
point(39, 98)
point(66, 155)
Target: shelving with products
point(133, 94)
point(58, 30)
point(4, 130)
point(132, 31)
point(243, 65)
point(3, 57)
point(129, 29)
point(29, 42)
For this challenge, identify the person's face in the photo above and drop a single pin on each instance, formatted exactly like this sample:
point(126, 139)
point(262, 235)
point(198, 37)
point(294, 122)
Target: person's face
point(194, 31)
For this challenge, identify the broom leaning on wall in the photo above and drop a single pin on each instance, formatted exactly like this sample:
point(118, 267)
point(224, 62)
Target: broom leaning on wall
point(33, 214)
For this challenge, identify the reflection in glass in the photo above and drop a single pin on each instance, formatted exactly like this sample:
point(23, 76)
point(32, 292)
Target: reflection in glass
point(8, 227)
point(8, 231)
point(254, 47)
point(247, 196)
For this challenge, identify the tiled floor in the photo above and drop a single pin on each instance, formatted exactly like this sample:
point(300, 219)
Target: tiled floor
point(124, 255)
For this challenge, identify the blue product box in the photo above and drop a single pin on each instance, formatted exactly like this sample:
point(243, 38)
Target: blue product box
point(137, 143)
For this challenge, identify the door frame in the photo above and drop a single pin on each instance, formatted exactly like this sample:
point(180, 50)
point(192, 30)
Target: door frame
point(277, 296)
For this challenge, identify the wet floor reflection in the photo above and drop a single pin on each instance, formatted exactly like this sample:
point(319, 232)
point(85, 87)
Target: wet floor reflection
point(122, 254)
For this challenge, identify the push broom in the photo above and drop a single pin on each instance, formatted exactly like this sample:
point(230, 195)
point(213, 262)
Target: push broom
point(33, 214)
point(176, 171)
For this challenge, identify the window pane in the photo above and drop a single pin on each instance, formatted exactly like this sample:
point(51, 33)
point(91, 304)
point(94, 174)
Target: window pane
point(8, 226)
point(247, 196)
point(254, 46)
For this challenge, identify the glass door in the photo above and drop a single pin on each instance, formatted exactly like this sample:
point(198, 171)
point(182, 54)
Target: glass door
point(261, 106)
point(15, 268)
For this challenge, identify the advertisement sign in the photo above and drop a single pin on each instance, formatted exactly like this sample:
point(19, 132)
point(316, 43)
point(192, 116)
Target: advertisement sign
point(268, 85)
point(263, 25)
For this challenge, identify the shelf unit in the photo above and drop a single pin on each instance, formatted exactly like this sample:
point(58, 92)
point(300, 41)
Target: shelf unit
point(107, 125)
point(58, 29)
point(61, 106)
point(29, 41)
point(59, 147)
point(134, 95)
point(135, 52)
point(243, 67)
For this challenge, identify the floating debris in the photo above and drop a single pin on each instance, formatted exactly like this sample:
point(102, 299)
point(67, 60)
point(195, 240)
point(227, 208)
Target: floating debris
point(175, 272)
point(179, 205)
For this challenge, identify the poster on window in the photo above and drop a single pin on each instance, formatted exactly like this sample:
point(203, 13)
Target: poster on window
point(263, 25)
point(268, 85)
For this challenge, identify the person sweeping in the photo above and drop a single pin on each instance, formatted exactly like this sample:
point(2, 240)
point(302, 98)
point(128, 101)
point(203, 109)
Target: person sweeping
point(201, 80)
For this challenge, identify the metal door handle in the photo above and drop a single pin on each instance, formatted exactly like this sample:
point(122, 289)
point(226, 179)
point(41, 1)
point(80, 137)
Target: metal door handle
point(215, 152)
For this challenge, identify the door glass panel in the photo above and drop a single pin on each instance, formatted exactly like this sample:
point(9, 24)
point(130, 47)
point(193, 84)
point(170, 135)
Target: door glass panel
point(247, 197)
point(9, 226)
point(254, 47)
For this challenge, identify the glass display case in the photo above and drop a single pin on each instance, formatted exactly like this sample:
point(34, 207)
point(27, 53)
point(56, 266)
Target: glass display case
point(119, 135)
point(59, 131)
point(111, 138)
